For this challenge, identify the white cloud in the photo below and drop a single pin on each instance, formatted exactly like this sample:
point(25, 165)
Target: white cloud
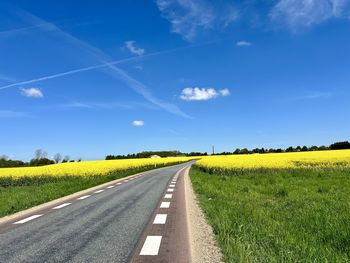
point(32, 92)
point(130, 45)
point(225, 92)
point(296, 13)
point(196, 93)
point(243, 44)
point(187, 17)
point(138, 123)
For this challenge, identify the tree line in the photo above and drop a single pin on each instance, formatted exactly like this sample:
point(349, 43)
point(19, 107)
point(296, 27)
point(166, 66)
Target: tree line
point(148, 154)
point(40, 158)
point(334, 146)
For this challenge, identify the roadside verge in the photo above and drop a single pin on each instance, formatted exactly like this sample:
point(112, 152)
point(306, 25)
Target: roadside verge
point(201, 236)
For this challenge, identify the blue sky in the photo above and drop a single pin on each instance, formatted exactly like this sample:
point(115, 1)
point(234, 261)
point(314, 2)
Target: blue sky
point(90, 78)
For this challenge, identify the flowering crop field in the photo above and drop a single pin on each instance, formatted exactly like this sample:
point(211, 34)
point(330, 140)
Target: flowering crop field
point(228, 164)
point(286, 207)
point(24, 187)
point(82, 169)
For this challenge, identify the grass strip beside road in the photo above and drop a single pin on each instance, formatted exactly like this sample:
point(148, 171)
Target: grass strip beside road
point(16, 198)
point(282, 216)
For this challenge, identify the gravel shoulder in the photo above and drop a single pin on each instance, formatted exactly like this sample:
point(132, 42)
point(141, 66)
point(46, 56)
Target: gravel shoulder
point(201, 236)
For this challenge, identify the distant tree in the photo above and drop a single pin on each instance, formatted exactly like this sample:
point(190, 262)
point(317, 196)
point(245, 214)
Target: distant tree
point(244, 151)
point(38, 154)
point(237, 151)
point(340, 145)
point(290, 149)
point(304, 149)
point(66, 159)
point(323, 148)
point(79, 160)
point(57, 157)
point(313, 148)
point(4, 157)
point(298, 149)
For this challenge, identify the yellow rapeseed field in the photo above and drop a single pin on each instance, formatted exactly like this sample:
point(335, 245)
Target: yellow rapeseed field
point(91, 168)
point(317, 159)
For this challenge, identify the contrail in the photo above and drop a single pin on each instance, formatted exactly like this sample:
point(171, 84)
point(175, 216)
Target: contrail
point(108, 64)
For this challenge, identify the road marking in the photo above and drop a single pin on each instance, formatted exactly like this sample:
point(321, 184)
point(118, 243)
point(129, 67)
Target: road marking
point(25, 220)
point(98, 191)
point(119, 183)
point(83, 197)
point(160, 219)
point(165, 205)
point(170, 190)
point(168, 195)
point(62, 205)
point(151, 246)
point(111, 186)
point(172, 185)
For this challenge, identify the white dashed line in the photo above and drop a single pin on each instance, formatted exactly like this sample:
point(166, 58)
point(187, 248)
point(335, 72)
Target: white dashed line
point(171, 185)
point(109, 187)
point(165, 205)
point(170, 190)
point(25, 220)
point(168, 196)
point(83, 197)
point(151, 246)
point(160, 219)
point(62, 205)
point(119, 183)
point(98, 191)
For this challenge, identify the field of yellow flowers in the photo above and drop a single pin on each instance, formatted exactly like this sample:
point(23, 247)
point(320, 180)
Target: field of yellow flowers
point(306, 160)
point(84, 169)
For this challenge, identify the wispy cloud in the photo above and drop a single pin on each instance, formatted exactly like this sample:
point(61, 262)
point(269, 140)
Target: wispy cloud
point(32, 92)
point(188, 17)
point(130, 45)
point(12, 114)
point(298, 14)
point(191, 94)
point(6, 78)
point(243, 43)
point(315, 95)
point(138, 123)
point(102, 58)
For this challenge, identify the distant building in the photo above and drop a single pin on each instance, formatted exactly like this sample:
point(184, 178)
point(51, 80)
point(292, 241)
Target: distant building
point(155, 156)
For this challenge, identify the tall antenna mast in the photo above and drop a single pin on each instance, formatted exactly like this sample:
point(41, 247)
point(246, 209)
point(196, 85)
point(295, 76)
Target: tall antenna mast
point(213, 149)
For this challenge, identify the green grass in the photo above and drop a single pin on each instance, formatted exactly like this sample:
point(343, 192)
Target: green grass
point(15, 197)
point(282, 216)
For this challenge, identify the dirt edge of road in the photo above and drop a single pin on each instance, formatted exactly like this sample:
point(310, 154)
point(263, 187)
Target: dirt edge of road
point(201, 236)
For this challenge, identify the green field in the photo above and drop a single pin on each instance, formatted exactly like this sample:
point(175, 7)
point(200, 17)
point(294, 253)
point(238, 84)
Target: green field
point(282, 216)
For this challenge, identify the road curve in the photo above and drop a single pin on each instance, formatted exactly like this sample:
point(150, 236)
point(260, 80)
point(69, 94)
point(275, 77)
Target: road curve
point(102, 226)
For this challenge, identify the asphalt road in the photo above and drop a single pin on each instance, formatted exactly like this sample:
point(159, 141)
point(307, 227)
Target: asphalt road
point(104, 227)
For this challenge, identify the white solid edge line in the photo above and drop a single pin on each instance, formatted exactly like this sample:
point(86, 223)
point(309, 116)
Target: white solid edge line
point(168, 195)
point(151, 246)
point(25, 220)
point(98, 191)
point(165, 205)
point(83, 197)
point(160, 219)
point(62, 205)
point(170, 190)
